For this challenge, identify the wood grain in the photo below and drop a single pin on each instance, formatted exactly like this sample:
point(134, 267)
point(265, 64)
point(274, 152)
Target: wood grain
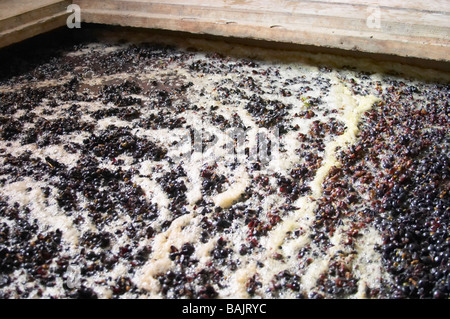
point(410, 29)
point(417, 29)
point(23, 19)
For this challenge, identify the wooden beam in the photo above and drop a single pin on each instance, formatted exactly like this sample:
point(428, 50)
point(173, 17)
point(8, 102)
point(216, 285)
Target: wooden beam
point(415, 29)
point(409, 29)
point(20, 20)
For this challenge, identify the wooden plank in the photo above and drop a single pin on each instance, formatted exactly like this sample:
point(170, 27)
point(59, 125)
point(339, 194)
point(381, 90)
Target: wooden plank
point(32, 29)
point(418, 29)
point(20, 20)
point(415, 29)
point(14, 8)
point(420, 5)
point(15, 16)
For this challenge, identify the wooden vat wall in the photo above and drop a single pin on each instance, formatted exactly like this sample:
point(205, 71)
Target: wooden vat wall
point(414, 29)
